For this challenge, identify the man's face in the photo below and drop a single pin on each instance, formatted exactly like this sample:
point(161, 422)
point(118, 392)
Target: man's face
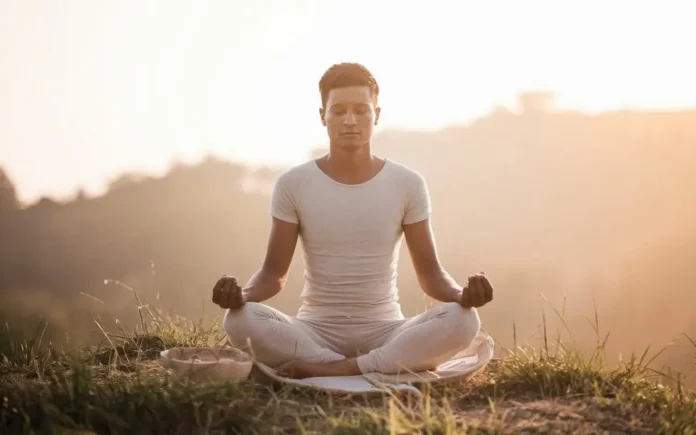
point(350, 116)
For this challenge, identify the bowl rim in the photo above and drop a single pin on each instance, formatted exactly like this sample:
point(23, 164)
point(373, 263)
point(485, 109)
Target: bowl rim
point(181, 355)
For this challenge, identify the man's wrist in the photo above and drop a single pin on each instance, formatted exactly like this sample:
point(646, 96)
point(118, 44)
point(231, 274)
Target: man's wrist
point(460, 294)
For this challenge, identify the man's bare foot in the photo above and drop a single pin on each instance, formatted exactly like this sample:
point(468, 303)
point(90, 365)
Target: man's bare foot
point(300, 369)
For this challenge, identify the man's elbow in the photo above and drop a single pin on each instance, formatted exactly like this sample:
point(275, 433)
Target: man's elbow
point(275, 275)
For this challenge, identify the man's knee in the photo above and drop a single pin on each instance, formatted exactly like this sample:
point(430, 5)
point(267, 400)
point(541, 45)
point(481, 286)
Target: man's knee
point(464, 322)
point(237, 322)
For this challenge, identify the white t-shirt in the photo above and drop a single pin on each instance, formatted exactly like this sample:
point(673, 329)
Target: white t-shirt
point(351, 236)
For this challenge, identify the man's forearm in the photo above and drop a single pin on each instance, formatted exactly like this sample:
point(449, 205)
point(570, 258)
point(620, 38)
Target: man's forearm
point(262, 286)
point(441, 286)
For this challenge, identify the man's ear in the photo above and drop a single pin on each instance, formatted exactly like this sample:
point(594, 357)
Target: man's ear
point(378, 110)
point(322, 114)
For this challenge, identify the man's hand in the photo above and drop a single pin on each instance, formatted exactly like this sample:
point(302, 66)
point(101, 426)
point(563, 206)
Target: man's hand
point(227, 293)
point(478, 292)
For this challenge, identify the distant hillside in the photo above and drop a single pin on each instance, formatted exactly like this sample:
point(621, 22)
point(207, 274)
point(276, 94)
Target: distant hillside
point(595, 206)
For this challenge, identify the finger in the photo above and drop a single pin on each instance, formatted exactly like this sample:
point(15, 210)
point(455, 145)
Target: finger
point(473, 291)
point(234, 297)
point(488, 289)
point(217, 290)
point(480, 290)
point(234, 290)
point(225, 296)
point(485, 290)
point(485, 287)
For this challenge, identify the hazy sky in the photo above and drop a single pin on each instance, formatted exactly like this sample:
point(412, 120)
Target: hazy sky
point(89, 88)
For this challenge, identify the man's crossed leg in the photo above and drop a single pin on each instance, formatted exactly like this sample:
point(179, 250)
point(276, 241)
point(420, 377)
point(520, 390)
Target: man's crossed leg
point(301, 348)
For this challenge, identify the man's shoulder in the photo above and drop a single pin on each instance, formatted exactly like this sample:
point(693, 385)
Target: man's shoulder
point(296, 173)
point(406, 173)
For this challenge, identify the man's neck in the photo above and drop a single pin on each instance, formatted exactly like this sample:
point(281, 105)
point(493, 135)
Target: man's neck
point(351, 167)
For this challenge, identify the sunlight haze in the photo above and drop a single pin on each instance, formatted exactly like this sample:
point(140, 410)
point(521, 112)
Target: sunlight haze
point(91, 88)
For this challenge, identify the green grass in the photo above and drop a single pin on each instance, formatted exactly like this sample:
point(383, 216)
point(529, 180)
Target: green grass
point(120, 387)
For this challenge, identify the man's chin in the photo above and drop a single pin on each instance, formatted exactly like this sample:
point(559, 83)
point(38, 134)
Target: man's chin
point(351, 144)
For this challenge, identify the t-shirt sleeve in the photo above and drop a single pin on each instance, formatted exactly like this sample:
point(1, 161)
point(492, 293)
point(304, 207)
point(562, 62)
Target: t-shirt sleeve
point(283, 205)
point(418, 204)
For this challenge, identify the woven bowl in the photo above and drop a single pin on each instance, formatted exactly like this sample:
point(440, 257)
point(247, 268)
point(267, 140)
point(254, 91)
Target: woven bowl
point(228, 363)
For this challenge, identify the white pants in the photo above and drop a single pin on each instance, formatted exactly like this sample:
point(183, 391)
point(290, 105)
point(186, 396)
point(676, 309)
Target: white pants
point(386, 346)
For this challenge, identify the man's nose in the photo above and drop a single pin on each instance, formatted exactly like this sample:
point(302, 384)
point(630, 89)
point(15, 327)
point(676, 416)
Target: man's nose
point(349, 119)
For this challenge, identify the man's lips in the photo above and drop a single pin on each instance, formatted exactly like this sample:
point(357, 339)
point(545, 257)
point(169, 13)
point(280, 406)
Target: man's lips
point(350, 133)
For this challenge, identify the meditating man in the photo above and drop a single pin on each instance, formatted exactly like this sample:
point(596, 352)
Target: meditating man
point(351, 209)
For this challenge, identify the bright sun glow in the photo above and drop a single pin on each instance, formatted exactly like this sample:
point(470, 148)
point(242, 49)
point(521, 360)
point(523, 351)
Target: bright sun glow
point(90, 88)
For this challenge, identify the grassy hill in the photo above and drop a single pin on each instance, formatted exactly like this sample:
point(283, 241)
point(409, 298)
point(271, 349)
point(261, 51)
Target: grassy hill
point(120, 387)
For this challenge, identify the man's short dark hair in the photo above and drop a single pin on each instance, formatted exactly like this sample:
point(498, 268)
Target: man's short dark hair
point(346, 74)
